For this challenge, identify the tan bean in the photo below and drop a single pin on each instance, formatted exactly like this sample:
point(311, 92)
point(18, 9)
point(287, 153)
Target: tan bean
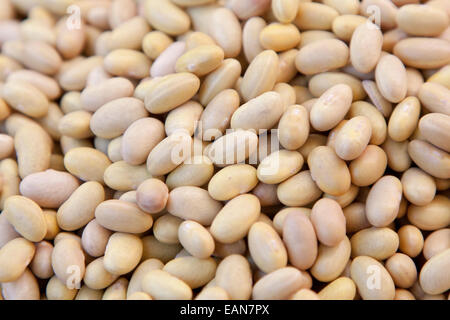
point(369, 166)
point(73, 77)
point(411, 240)
point(433, 127)
point(321, 56)
point(260, 76)
point(193, 203)
point(363, 269)
point(250, 37)
point(331, 107)
point(402, 269)
point(26, 217)
point(433, 216)
point(418, 187)
point(279, 284)
point(433, 278)
point(68, 262)
point(328, 221)
point(378, 243)
point(315, 16)
point(41, 265)
point(123, 253)
point(387, 11)
point(434, 97)
point(329, 172)
point(15, 256)
point(127, 63)
point(365, 47)
point(430, 159)
point(26, 98)
point(298, 190)
point(196, 171)
point(234, 275)
point(344, 25)
point(397, 154)
point(232, 181)
point(436, 242)
point(96, 276)
point(166, 17)
point(234, 220)
point(383, 201)
point(391, 78)
point(196, 239)
point(161, 285)
point(293, 128)
point(300, 240)
point(424, 53)
point(428, 21)
point(321, 82)
point(193, 271)
point(383, 105)
point(24, 288)
point(87, 164)
point(152, 195)
point(355, 217)
point(353, 138)
point(404, 119)
point(135, 283)
point(95, 96)
point(362, 108)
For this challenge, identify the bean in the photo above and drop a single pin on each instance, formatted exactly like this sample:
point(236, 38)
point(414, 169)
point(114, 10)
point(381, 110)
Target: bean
point(328, 221)
point(364, 244)
point(342, 288)
point(433, 278)
point(161, 285)
point(123, 253)
point(278, 284)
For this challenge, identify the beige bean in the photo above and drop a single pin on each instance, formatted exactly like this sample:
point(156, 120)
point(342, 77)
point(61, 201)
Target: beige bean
point(355, 217)
point(434, 127)
point(433, 278)
point(212, 293)
point(152, 195)
point(404, 119)
point(196, 171)
point(15, 256)
point(321, 56)
point(196, 239)
point(379, 128)
point(436, 242)
point(329, 172)
point(193, 203)
point(232, 181)
point(123, 253)
point(33, 146)
point(383, 201)
point(79, 208)
point(353, 138)
point(411, 240)
point(378, 243)
point(128, 35)
point(200, 60)
point(331, 261)
point(279, 284)
point(73, 76)
point(161, 285)
point(232, 148)
point(95, 96)
point(68, 259)
point(293, 128)
point(169, 153)
point(397, 154)
point(26, 98)
point(260, 113)
point(391, 78)
point(428, 20)
point(171, 91)
point(369, 166)
point(41, 265)
point(285, 10)
point(315, 16)
point(184, 117)
point(430, 159)
point(279, 37)
point(331, 107)
point(217, 115)
point(234, 275)
point(435, 97)
point(298, 190)
point(96, 276)
point(165, 63)
point(87, 164)
point(387, 11)
point(266, 248)
point(279, 166)
point(121, 11)
point(154, 43)
point(26, 217)
point(321, 82)
point(122, 216)
point(328, 221)
point(300, 239)
point(166, 17)
point(193, 271)
point(234, 220)
point(418, 187)
point(260, 76)
point(124, 177)
point(116, 291)
point(24, 288)
point(365, 47)
point(114, 117)
point(433, 216)
point(402, 270)
point(250, 37)
point(45, 84)
point(383, 105)
point(127, 63)
point(424, 53)
point(135, 283)
point(76, 125)
point(362, 268)
point(344, 25)
point(267, 194)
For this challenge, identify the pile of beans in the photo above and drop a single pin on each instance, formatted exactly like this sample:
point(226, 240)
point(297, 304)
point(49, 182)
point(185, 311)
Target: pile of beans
point(235, 149)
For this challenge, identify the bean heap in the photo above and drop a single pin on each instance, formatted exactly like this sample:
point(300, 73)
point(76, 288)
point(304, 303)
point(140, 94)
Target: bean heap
point(239, 149)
